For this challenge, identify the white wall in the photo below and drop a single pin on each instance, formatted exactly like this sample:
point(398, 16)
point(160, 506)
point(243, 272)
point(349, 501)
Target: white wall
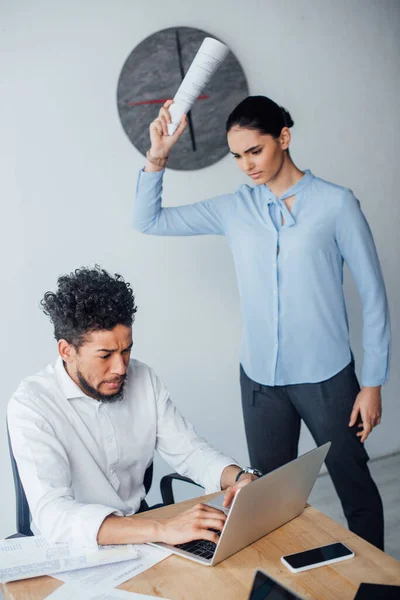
point(69, 172)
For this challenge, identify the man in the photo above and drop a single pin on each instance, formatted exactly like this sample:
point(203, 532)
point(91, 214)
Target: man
point(84, 431)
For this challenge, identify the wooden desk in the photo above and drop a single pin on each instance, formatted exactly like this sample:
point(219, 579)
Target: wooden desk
point(177, 578)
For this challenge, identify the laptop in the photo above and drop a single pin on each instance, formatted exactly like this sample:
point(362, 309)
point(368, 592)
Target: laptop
point(258, 508)
point(266, 588)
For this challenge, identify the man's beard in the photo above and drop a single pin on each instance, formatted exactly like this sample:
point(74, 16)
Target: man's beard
point(93, 393)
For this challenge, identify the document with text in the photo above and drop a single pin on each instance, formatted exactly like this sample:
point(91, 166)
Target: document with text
point(207, 60)
point(107, 577)
point(25, 557)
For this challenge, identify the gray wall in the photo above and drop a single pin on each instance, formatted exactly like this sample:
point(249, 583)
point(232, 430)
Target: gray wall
point(69, 176)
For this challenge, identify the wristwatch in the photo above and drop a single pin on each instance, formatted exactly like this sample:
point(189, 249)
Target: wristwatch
point(250, 470)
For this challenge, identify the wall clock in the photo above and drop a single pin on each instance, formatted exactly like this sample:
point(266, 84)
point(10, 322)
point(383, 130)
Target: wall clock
point(153, 72)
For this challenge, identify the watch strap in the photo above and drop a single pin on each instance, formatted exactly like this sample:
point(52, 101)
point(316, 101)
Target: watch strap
point(239, 475)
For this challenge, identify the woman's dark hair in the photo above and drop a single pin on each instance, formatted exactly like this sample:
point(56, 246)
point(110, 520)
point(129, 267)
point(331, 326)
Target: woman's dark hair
point(261, 113)
point(88, 300)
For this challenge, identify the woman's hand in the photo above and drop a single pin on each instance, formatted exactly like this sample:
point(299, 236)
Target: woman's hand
point(161, 142)
point(368, 405)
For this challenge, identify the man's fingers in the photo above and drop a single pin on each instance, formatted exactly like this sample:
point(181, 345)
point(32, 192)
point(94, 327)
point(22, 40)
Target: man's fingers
point(207, 523)
point(207, 534)
point(232, 491)
point(201, 511)
point(207, 508)
point(229, 496)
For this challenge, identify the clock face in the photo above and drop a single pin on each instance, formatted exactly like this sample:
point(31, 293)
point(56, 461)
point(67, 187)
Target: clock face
point(152, 74)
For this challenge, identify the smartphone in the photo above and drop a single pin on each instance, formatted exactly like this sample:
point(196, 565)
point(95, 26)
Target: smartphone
point(317, 557)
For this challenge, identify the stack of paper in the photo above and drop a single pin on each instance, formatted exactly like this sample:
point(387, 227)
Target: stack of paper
point(107, 577)
point(70, 591)
point(25, 557)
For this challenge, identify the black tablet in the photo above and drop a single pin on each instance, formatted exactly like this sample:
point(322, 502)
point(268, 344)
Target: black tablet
point(375, 591)
point(266, 588)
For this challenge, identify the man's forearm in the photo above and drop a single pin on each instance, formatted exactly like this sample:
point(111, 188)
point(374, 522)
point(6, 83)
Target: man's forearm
point(196, 523)
point(127, 530)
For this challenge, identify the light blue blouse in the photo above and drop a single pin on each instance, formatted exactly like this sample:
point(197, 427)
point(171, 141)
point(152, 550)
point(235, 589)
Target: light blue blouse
point(290, 276)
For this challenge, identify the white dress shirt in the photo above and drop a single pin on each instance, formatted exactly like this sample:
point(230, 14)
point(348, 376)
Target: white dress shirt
point(80, 459)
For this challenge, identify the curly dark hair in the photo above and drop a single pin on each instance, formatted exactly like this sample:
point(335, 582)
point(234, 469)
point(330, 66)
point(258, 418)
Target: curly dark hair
point(88, 300)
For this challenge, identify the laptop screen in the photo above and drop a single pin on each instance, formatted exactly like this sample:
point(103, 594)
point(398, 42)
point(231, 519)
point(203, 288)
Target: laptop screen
point(266, 588)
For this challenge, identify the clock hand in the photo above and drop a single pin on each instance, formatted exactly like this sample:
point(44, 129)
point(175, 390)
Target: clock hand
point(161, 101)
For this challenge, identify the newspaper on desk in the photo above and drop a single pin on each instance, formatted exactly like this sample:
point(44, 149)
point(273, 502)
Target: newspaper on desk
point(21, 558)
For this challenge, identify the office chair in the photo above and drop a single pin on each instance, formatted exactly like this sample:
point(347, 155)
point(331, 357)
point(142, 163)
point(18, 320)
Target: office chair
point(166, 487)
point(23, 515)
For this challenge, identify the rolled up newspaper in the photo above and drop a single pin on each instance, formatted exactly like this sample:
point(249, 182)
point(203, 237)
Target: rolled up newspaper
point(207, 60)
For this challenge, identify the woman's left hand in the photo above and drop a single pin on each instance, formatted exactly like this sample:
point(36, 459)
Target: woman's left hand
point(368, 405)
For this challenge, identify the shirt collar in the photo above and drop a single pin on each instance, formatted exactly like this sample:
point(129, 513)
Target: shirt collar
point(280, 202)
point(295, 189)
point(67, 385)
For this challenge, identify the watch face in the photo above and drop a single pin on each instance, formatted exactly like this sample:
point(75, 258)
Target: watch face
point(252, 471)
point(152, 74)
point(256, 472)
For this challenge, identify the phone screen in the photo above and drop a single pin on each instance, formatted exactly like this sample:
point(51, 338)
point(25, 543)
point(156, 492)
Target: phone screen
point(266, 588)
point(317, 555)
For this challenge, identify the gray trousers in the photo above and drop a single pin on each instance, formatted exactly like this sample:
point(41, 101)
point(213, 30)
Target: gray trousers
point(272, 416)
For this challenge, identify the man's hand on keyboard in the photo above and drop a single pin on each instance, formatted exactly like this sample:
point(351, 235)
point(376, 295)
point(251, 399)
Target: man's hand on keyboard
point(193, 524)
point(231, 491)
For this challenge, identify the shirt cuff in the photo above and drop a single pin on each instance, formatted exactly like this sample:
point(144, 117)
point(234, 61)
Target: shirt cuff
point(375, 370)
point(212, 476)
point(373, 382)
point(150, 175)
point(87, 522)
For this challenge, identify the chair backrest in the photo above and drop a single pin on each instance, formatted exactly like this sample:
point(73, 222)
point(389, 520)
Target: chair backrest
point(23, 515)
point(148, 478)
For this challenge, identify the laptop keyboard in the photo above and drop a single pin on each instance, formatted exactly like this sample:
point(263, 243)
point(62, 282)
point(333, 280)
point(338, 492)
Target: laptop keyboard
point(202, 548)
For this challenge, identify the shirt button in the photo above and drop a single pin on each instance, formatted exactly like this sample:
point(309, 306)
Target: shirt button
point(274, 291)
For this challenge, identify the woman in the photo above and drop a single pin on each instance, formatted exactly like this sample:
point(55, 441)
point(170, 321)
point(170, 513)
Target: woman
point(289, 236)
